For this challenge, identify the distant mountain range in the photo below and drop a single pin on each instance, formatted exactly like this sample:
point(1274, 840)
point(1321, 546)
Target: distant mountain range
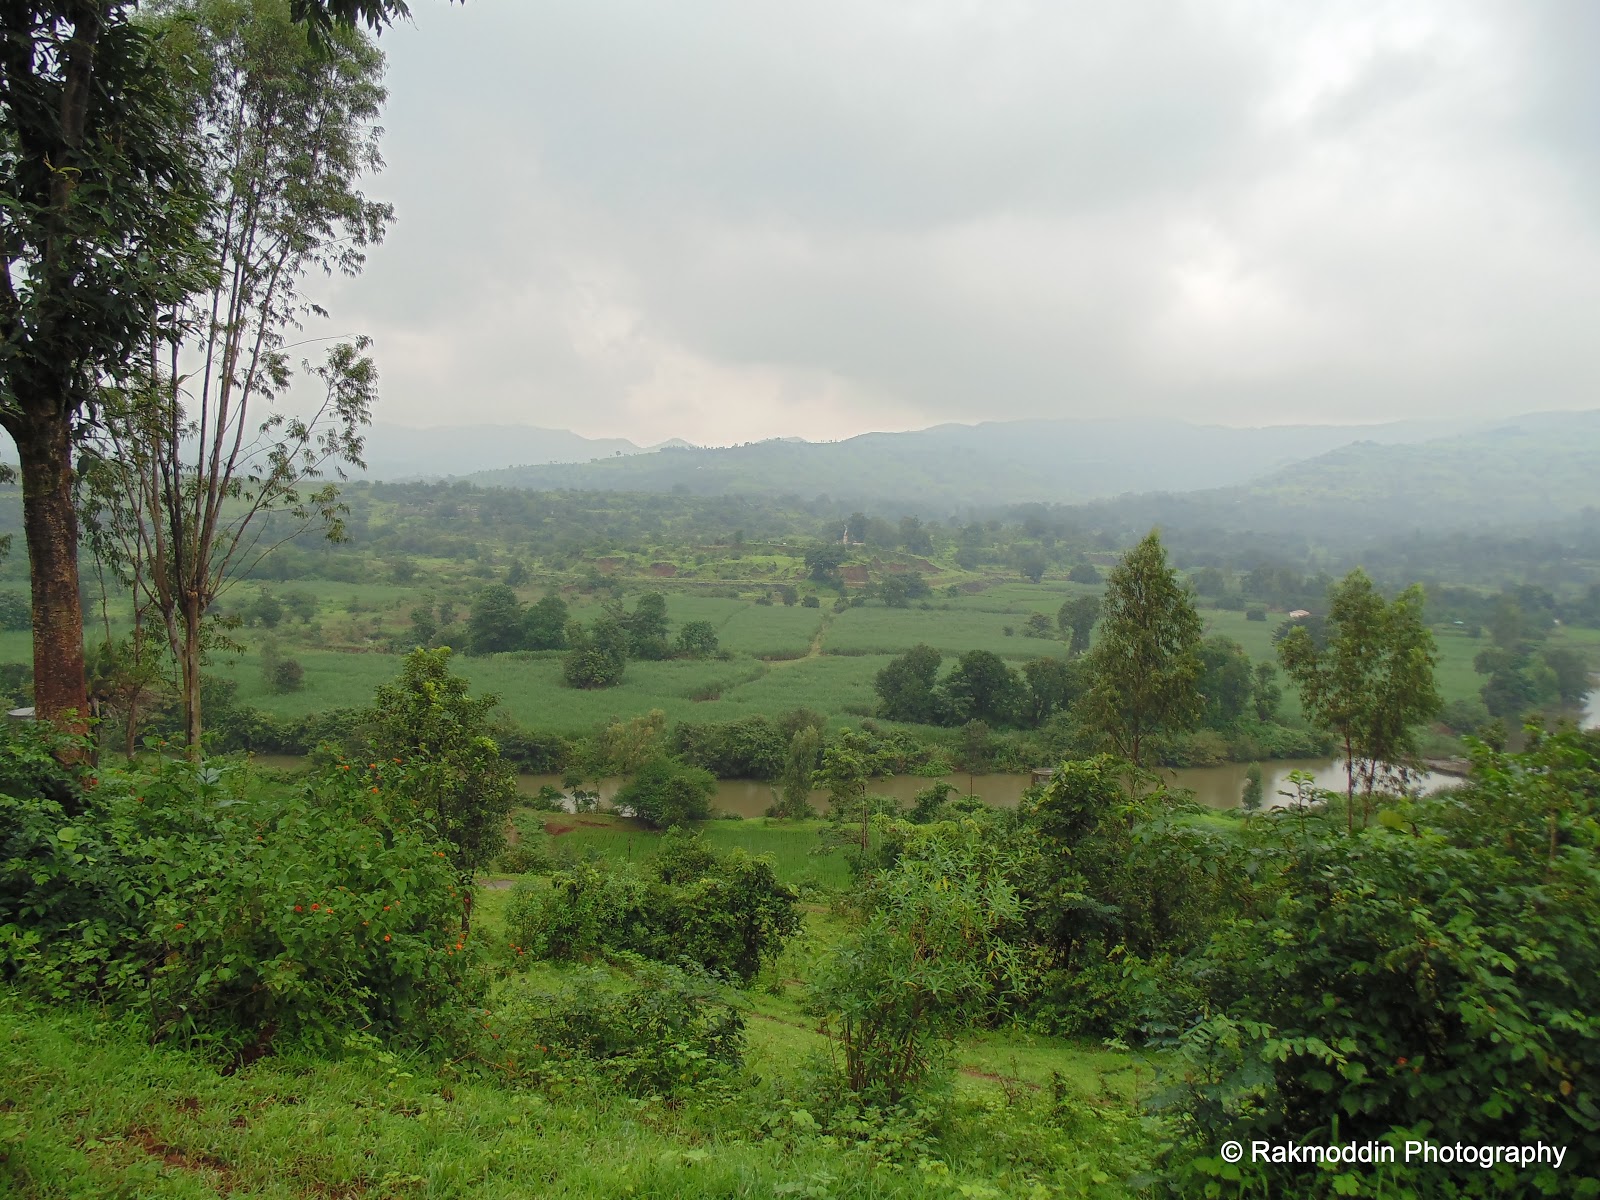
point(1413, 474)
point(959, 466)
point(1530, 471)
point(401, 452)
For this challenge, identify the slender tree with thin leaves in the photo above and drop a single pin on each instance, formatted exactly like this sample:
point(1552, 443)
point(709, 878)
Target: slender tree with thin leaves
point(100, 209)
point(1146, 666)
point(1372, 683)
point(197, 459)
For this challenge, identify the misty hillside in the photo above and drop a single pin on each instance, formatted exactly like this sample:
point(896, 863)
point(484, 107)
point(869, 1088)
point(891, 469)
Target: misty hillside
point(400, 452)
point(953, 466)
point(1526, 472)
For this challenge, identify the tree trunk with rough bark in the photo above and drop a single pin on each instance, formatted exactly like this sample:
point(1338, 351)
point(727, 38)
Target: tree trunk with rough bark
point(50, 521)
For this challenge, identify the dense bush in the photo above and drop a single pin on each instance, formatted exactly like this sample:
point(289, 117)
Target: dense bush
point(670, 1031)
point(665, 792)
point(1120, 886)
point(726, 912)
point(286, 675)
point(1432, 975)
point(751, 748)
point(225, 919)
point(16, 612)
point(930, 958)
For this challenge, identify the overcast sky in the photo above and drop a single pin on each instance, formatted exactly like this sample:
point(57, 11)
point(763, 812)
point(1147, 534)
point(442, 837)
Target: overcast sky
point(732, 220)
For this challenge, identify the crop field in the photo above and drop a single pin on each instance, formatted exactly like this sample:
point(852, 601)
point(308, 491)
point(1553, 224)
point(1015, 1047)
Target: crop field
point(833, 685)
point(1020, 597)
point(874, 629)
point(770, 631)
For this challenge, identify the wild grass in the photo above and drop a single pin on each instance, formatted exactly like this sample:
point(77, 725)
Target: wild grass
point(92, 1112)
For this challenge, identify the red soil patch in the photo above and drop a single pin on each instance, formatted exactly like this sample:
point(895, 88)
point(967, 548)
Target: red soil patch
point(147, 1141)
point(608, 565)
point(557, 828)
point(664, 570)
point(853, 573)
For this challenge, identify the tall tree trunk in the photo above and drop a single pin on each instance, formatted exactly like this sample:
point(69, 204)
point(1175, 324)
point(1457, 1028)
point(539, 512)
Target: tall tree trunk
point(191, 678)
point(50, 520)
point(1350, 785)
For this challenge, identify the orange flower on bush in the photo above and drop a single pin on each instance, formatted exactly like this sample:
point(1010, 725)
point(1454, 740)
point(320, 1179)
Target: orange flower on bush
point(179, 925)
point(297, 908)
point(386, 937)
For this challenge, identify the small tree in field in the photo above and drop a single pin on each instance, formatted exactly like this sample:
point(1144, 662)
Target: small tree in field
point(1146, 666)
point(456, 782)
point(794, 782)
point(1372, 683)
point(895, 993)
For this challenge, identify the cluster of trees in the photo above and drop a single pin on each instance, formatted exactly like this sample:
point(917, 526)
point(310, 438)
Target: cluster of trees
point(1150, 672)
point(1523, 673)
point(600, 650)
point(727, 913)
point(498, 622)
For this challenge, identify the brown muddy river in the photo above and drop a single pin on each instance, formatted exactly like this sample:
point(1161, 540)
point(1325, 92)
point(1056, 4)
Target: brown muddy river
point(1215, 787)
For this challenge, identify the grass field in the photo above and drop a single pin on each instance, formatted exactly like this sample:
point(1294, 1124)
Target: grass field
point(90, 1111)
point(795, 847)
point(772, 670)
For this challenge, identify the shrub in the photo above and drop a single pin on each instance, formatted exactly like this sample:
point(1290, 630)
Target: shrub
point(727, 913)
point(698, 639)
point(750, 748)
point(16, 612)
point(229, 919)
point(1119, 890)
point(286, 675)
point(458, 786)
point(895, 993)
point(666, 792)
point(1255, 614)
point(668, 1032)
point(1433, 972)
point(810, 602)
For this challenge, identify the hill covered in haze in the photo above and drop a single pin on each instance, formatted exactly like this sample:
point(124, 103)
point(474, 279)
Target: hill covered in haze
point(1526, 472)
point(957, 466)
point(401, 452)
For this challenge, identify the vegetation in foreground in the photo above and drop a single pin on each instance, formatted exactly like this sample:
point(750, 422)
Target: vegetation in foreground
point(1084, 996)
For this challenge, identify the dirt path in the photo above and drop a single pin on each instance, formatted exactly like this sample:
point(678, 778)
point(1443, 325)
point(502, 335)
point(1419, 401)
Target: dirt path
point(813, 651)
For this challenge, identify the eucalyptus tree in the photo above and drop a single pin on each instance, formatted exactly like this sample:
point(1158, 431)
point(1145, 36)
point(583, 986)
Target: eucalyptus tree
point(205, 466)
point(101, 207)
point(1146, 666)
point(1372, 682)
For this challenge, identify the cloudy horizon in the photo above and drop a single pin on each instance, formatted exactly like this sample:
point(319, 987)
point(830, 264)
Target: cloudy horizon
point(727, 222)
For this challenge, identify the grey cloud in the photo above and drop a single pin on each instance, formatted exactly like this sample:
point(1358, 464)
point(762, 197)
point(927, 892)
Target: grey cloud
point(617, 216)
